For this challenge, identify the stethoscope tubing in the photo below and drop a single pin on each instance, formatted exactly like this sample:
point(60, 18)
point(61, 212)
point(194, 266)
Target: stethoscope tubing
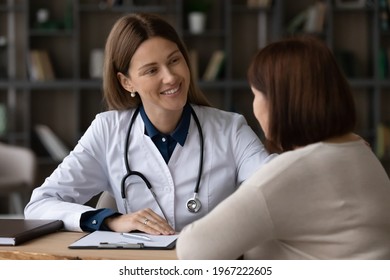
point(129, 172)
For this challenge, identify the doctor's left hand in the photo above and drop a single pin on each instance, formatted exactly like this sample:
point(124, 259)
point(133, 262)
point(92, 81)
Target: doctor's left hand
point(144, 220)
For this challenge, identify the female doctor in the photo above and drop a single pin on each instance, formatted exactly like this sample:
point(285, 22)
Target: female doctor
point(161, 151)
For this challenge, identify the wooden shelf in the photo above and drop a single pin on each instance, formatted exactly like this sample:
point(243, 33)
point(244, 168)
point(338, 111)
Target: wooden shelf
point(231, 26)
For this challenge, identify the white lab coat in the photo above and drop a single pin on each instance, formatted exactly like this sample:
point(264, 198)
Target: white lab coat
point(232, 152)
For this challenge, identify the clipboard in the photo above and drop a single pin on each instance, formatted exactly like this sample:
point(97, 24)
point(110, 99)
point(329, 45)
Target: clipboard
point(116, 240)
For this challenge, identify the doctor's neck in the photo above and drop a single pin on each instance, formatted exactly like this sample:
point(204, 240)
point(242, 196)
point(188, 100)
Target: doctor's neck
point(163, 120)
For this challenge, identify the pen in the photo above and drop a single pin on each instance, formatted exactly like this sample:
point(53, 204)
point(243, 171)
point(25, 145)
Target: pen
point(137, 236)
point(108, 245)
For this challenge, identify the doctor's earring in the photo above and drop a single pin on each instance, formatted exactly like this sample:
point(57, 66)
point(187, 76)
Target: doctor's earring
point(133, 94)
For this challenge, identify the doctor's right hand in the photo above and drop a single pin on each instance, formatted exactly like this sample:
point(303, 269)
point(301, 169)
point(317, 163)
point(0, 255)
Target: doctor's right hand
point(143, 220)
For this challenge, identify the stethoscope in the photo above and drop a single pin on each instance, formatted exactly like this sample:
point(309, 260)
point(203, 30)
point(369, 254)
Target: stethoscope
point(193, 204)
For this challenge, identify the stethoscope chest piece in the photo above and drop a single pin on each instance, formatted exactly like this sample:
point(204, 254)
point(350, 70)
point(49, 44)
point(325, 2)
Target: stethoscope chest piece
point(194, 204)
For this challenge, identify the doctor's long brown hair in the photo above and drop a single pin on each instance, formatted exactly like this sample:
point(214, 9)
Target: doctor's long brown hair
point(309, 99)
point(127, 34)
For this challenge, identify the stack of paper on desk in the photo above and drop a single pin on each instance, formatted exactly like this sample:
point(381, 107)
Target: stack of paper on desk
point(116, 240)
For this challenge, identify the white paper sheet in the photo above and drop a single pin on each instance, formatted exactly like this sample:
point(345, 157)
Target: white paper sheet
point(96, 238)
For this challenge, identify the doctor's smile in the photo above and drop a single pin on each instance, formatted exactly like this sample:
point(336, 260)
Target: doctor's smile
point(171, 91)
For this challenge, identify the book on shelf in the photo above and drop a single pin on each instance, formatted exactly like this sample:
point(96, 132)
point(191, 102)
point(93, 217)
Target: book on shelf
point(297, 22)
point(40, 66)
point(315, 18)
point(214, 66)
point(383, 140)
point(3, 119)
point(52, 143)
point(48, 70)
point(33, 66)
point(16, 231)
point(310, 20)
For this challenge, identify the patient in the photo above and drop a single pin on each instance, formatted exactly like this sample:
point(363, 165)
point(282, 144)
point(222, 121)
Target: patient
point(326, 196)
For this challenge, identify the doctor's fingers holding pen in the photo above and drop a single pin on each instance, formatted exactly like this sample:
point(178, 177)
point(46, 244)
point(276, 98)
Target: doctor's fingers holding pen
point(144, 220)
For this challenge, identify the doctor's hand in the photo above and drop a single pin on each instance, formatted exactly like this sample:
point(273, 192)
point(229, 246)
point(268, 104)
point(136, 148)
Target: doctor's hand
point(144, 220)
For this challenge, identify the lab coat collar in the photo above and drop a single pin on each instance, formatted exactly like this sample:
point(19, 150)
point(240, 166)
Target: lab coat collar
point(181, 131)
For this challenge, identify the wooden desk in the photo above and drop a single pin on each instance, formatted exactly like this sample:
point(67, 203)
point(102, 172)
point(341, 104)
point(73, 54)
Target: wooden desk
point(55, 247)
